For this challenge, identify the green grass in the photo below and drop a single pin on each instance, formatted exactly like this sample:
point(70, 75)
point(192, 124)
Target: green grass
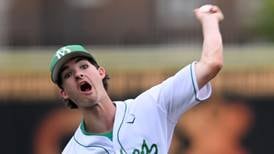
point(139, 58)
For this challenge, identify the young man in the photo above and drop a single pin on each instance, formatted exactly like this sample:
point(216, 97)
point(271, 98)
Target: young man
point(144, 124)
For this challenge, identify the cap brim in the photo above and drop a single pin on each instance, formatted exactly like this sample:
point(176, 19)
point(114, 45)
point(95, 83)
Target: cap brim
point(64, 59)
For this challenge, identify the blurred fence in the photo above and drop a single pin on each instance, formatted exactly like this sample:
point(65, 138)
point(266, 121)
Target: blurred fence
point(120, 22)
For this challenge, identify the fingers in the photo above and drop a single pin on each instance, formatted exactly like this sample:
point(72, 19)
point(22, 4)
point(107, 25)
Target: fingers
point(209, 10)
point(206, 8)
point(216, 10)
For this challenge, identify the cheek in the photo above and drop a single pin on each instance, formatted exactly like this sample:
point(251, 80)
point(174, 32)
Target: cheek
point(96, 81)
point(68, 86)
point(71, 93)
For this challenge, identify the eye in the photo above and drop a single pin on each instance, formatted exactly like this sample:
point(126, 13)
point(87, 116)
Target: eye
point(84, 66)
point(67, 75)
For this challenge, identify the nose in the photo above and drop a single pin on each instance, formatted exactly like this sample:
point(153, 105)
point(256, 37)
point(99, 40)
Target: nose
point(79, 75)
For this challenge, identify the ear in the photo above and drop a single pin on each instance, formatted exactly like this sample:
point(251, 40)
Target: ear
point(63, 94)
point(102, 72)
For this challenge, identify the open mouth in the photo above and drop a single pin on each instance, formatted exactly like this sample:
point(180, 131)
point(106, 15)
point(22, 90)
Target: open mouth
point(85, 87)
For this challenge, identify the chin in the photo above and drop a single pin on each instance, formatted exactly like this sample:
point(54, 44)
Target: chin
point(93, 104)
point(89, 102)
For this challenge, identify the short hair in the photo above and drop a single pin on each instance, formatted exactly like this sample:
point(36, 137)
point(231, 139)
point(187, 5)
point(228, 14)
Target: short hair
point(70, 103)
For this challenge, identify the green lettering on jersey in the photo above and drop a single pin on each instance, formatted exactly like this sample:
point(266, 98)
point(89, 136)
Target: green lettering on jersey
point(153, 149)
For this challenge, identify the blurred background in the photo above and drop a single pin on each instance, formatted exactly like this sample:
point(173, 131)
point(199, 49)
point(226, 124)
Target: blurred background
point(140, 43)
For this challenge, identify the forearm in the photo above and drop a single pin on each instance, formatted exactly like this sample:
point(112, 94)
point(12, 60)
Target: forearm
point(212, 52)
point(211, 60)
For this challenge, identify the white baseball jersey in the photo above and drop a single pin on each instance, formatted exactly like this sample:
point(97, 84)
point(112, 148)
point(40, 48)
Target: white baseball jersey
point(145, 125)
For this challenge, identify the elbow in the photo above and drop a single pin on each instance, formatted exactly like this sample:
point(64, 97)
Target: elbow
point(215, 62)
point(216, 66)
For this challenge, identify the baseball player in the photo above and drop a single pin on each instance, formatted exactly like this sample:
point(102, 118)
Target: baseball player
point(145, 124)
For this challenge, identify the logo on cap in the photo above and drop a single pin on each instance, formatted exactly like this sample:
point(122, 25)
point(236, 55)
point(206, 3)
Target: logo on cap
point(61, 52)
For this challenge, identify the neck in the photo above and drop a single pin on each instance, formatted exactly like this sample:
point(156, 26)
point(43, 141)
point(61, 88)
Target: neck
point(99, 118)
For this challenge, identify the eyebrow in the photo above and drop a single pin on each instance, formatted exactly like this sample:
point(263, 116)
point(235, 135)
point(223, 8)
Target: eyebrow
point(63, 69)
point(75, 61)
point(79, 59)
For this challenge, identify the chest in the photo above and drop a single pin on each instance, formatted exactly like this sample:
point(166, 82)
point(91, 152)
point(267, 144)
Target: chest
point(141, 132)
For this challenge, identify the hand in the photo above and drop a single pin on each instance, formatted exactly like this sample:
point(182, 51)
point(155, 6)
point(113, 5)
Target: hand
point(208, 10)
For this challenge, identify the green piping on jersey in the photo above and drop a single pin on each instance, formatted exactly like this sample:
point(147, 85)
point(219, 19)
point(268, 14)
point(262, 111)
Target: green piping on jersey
point(83, 129)
point(195, 92)
point(122, 148)
point(101, 147)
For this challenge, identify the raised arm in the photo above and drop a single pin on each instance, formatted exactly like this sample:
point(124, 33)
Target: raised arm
point(211, 60)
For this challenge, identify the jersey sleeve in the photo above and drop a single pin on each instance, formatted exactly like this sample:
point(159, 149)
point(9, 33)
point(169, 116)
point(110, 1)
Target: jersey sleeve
point(180, 92)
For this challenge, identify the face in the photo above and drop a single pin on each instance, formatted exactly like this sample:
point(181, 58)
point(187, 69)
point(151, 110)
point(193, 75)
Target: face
point(82, 82)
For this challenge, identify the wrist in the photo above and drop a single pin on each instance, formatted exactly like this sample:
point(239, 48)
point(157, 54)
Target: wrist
point(208, 19)
point(210, 27)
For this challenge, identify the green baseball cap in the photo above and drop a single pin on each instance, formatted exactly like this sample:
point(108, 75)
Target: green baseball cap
point(64, 54)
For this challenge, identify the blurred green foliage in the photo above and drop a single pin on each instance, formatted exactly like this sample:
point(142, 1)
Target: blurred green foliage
point(266, 20)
